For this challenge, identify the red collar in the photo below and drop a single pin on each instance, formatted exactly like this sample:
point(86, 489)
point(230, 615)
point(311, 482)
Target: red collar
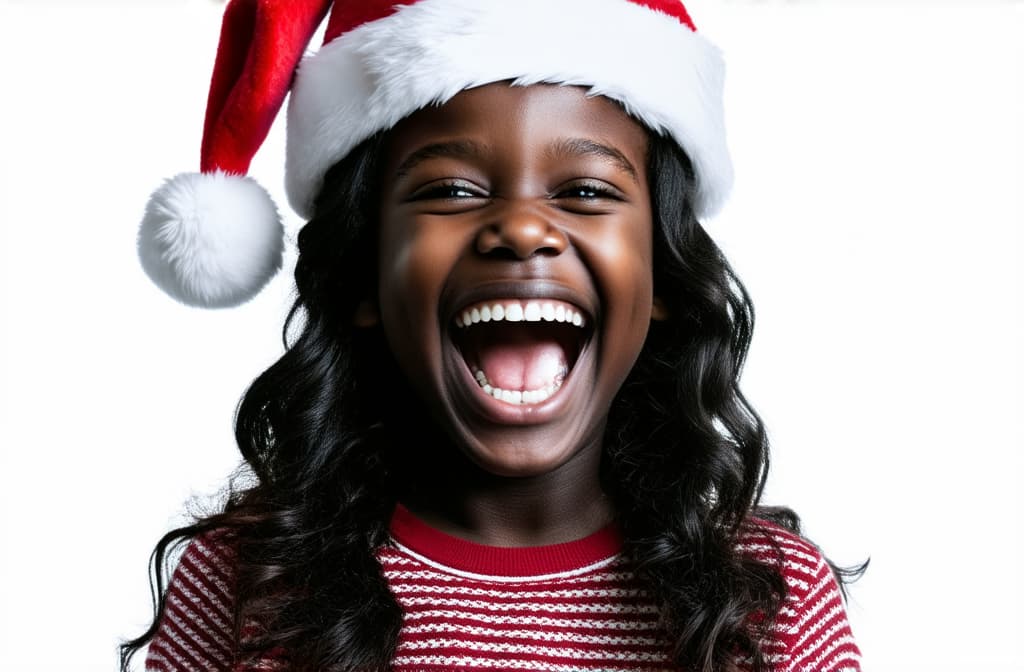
point(525, 561)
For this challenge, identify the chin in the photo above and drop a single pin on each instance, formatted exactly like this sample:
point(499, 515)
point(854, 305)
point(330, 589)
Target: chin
point(525, 451)
point(520, 460)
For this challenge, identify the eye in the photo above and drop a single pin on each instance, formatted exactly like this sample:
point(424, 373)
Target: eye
point(447, 190)
point(587, 195)
point(588, 190)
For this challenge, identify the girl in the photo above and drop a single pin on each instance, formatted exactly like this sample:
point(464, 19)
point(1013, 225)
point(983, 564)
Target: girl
point(508, 433)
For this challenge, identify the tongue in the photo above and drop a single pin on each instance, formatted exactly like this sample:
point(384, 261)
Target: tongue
point(523, 364)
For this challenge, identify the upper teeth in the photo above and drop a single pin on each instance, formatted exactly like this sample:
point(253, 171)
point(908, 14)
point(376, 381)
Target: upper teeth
point(520, 311)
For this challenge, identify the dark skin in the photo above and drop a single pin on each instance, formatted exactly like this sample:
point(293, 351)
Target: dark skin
point(511, 195)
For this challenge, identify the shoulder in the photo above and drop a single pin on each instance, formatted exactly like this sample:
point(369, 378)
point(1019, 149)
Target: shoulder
point(799, 559)
point(206, 570)
point(213, 552)
point(196, 626)
point(812, 631)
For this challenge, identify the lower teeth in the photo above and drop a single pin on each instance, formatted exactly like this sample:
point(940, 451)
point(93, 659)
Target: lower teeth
point(516, 397)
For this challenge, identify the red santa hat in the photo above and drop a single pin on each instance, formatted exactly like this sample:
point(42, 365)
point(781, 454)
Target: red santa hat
point(214, 238)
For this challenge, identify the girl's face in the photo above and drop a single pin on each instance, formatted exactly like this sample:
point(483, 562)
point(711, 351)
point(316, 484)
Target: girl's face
point(524, 212)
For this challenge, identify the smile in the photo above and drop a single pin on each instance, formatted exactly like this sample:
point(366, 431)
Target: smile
point(520, 351)
point(520, 311)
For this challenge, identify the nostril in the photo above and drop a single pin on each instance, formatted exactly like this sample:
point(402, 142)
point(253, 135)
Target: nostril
point(501, 252)
point(550, 250)
point(521, 238)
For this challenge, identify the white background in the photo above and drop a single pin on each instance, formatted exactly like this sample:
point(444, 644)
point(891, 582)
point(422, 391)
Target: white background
point(876, 220)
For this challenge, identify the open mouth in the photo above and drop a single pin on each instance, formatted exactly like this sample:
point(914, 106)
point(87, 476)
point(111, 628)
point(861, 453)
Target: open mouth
point(520, 352)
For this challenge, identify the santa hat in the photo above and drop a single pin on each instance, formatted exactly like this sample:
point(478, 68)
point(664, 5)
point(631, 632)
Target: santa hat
point(214, 238)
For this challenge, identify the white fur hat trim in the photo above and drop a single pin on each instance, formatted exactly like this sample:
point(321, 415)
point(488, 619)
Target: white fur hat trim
point(364, 81)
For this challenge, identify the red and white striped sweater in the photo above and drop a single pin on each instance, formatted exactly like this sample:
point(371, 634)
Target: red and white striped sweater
point(574, 606)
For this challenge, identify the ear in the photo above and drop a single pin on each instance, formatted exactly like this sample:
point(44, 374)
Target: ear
point(366, 314)
point(659, 312)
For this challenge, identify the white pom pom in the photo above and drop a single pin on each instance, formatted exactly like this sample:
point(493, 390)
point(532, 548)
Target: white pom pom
point(211, 240)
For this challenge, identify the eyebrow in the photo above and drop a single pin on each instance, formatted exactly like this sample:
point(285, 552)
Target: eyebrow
point(455, 149)
point(569, 147)
point(579, 147)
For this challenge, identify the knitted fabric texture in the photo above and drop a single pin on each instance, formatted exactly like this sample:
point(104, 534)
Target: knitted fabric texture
point(575, 606)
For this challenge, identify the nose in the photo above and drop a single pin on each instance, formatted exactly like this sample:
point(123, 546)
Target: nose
point(520, 232)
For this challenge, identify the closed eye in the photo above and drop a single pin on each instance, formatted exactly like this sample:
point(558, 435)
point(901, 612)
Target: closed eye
point(452, 190)
point(587, 191)
point(587, 197)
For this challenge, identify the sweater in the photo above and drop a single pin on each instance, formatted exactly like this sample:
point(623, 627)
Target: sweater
point(573, 606)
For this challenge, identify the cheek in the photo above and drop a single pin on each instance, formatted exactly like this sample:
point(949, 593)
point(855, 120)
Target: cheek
point(626, 265)
point(621, 261)
point(634, 285)
point(399, 292)
point(401, 266)
point(413, 269)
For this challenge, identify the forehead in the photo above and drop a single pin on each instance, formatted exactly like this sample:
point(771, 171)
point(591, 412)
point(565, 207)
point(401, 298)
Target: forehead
point(542, 119)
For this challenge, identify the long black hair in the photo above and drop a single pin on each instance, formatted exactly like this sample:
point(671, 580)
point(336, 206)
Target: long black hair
point(322, 452)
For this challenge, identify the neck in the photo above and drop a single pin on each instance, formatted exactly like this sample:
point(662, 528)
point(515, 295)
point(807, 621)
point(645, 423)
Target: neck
point(457, 497)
